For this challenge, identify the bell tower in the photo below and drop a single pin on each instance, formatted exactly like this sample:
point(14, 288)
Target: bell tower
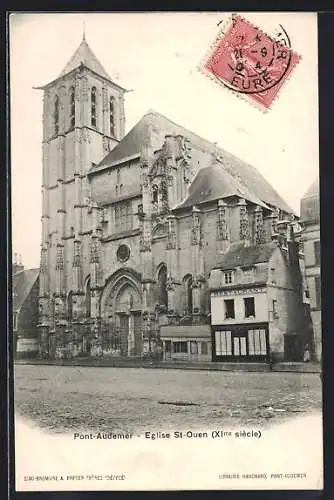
point(83, 119)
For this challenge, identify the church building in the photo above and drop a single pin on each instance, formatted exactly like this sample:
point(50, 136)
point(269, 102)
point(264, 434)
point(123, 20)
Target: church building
point(133, 224)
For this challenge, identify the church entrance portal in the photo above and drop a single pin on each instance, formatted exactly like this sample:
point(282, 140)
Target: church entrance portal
point(121, 309)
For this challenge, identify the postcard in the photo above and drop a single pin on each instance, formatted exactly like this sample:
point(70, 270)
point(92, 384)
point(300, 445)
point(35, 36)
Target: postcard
point(166, 319)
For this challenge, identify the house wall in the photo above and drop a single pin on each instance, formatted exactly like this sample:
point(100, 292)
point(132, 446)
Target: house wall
point(27, 320)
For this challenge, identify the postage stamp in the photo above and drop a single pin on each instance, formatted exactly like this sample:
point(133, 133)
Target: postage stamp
point(250, 62)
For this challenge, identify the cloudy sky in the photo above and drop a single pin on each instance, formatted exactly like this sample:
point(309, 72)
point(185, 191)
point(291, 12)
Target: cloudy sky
point(157, 57)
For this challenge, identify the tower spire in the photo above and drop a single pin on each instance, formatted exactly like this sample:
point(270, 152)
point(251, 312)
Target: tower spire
point(83, 31)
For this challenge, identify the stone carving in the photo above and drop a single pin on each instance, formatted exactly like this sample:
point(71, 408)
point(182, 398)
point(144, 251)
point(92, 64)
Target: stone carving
point(94, 251)
point(106, 143)
point(196, 228)
point(171, 235)
point(170, 284)
point(76, 254)
point(259, 233)
point(145, 180)
point(44, 260)
point(60, 258)
point(82, 135)
point(244, 222)
point(222, 225)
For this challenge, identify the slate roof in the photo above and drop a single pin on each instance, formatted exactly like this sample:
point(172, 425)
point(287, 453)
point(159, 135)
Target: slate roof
point(239, 255)
point(84, 55)
point(22, 283)
point(214, 182)
point(157, 126)
point(310, 204)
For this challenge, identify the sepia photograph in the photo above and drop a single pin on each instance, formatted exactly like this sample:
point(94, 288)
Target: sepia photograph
point(166, 286)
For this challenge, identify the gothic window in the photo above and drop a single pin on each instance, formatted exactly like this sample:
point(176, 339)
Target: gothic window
point(93, 106)
point(72, 108)
point(162, 282)
point(188, 294)
point(123, 217)
point(56, 115)
point(88, 301)
point(69, 307)
point(112, 116)
point(118, 178)
point(155, 194)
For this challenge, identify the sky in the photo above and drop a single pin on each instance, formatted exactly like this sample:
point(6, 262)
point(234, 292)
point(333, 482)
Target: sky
point(156, 56)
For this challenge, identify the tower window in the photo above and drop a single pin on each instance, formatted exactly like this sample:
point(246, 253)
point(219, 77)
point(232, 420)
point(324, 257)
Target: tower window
point(93, 106)
point(162, 282)
point(72, 107)
point(188, 295)
point(56, 115)
point(112, 116)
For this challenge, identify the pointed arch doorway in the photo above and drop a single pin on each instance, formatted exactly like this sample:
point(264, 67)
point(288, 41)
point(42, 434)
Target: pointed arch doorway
point(121, 306)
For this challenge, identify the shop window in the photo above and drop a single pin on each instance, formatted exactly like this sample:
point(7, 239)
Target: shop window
point(180, 347)
point(228, 277)
point(193, 347)
point(168, 346)
point(204, 348)
point(249, 304)
point(223, 343)
point(257, 342)
point(317, 256)
point(229, 309)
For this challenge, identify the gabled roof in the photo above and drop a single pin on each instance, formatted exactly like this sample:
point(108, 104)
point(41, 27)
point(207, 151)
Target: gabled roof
point(214, 182)
point(313, 190)
point(22, 283)
point(157, 126)
point(239, 255)
point(85, 56)
point(310, 204)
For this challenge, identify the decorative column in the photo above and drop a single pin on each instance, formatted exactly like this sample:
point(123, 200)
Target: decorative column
point(197, 264)
point(145, 245)
point(244, 221)
point(223, 234)
point(172, 276)
point(95, 281)
point(259, 236)
point(171, 169)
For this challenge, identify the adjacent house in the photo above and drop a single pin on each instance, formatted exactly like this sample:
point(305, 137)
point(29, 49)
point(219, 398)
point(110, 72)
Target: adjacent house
point(310, 221)
point(25, 291)
point(256, 304)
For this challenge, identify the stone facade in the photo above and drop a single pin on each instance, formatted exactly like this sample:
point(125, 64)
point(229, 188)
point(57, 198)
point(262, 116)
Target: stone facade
point(310, 221)
point(133, 225)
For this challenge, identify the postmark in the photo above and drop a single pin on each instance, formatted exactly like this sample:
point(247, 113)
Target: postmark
point(250, 62)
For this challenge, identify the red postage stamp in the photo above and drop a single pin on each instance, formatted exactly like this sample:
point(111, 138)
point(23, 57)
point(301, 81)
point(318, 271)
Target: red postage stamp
point(250, 62)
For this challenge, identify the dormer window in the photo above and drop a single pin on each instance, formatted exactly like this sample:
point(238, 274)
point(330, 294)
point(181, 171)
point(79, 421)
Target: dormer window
point(228, 277)
point(72, 108)
point(56, 115)
point(93, 106)
point(112, 116)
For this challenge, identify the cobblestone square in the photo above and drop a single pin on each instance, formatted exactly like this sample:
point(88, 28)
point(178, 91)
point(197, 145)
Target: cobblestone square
point(67, 399)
